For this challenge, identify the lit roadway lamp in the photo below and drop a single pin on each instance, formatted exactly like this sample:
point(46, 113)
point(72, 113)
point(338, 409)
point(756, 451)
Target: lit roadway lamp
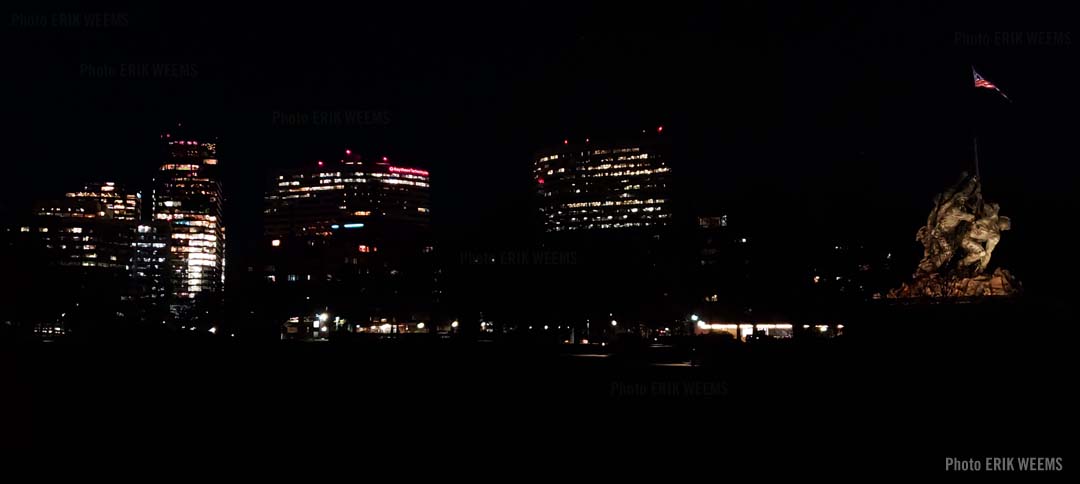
point(694, 317)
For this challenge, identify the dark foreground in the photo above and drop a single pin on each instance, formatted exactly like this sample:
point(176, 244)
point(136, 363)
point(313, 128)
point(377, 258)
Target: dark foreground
point(892, 393)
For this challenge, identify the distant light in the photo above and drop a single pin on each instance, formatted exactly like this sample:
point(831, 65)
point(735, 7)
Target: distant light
point(540, 181)
point(213, 330)
point(839, 326)
point(454, 324)
point(817, 279)
point(565, 141)
point(703, 325)
point(348, 152)
point(614, 323)
point(386, 159)
point(335, 226)
point(586, 140)
point(694, 317)
point(659, 129)
point(545, 327)
point(363, 248)
point(419, 325)
point(275, 243)
point(323, 317)
point(320, 163)
point(353, 226)
point(584, 341)
point(823, 328)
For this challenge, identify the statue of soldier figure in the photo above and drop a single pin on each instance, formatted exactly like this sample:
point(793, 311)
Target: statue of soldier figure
point(941, 235)
point(960, 234)
point(980, 240)
point(961, 220)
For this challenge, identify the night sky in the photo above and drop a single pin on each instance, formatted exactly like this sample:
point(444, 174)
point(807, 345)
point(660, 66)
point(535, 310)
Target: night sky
point(802, 121)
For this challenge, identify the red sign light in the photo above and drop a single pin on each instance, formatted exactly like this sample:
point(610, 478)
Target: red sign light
point(408, 171)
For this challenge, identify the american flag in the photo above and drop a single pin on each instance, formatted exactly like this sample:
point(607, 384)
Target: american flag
point(980, 81)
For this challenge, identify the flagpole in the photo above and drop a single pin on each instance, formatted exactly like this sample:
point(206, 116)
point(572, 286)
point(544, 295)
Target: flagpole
point(978, 176)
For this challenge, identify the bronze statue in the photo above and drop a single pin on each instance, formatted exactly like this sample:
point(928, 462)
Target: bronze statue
point(960, 235)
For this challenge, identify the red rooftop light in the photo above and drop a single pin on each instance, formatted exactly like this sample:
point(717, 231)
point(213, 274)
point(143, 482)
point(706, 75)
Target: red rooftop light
point(348, 152)
point(320, 163)
point(565, 141)
point(384, 158)
point(659, 129)
point(540, 181)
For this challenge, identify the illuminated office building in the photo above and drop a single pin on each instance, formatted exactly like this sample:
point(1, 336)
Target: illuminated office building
point(87, 261)
point(150, 268)
point(120, 203)
point(319, 199)
point(81, 233)
point(593, 185)
point(188, 198)
point(350, 238)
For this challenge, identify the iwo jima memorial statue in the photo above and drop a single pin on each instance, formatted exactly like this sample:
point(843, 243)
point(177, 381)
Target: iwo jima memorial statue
point(958, 239)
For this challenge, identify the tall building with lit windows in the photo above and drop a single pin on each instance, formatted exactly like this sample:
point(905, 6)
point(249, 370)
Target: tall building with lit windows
point(594, 185)
point(608, 202)
point(350, 238)
point(90, 265)
point(120, 203)
point(188, 198)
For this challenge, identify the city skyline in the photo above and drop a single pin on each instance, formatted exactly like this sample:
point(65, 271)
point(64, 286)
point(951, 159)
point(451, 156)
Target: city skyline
point(501, 227)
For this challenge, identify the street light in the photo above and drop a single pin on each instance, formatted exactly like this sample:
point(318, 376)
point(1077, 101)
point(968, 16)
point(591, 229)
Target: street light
point(694, 317)
point(323, 317)
point(614, 323)
point(454, 324)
